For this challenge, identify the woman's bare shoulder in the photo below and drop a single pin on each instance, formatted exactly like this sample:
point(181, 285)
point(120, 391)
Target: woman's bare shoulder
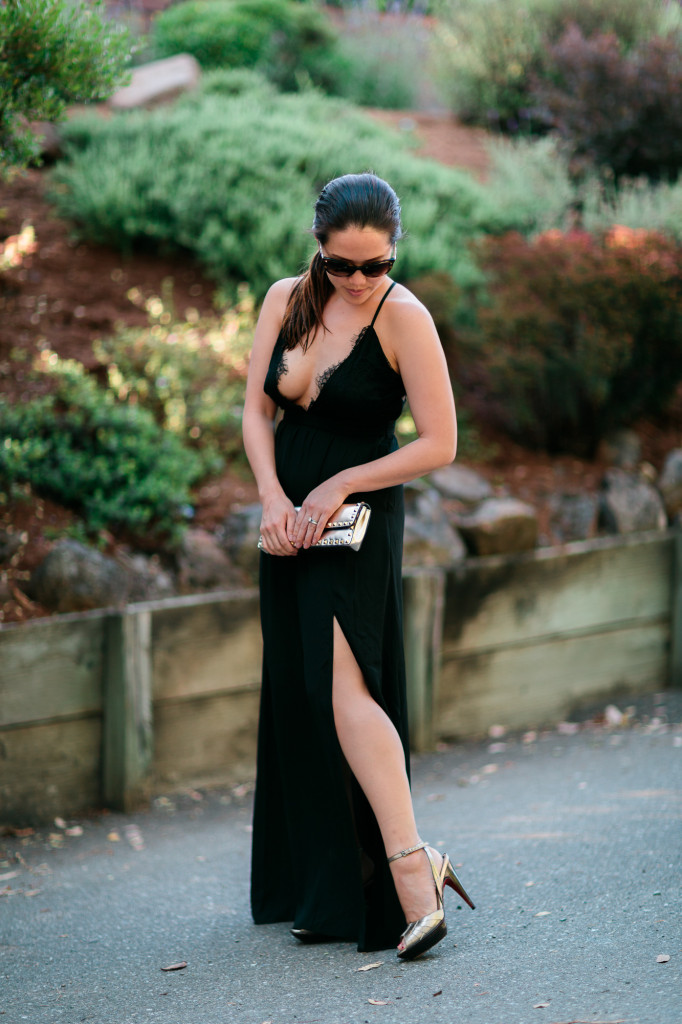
point(404, 312)
point(278, 293)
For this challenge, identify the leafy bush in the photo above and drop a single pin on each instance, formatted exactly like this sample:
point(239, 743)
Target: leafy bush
point(491, 50)
point(233, 180)
point(190, 375)
point(530, 183)
point(52, 52)
point(291, 43)
point(582, 334)
point(110, 462)
point(616, 110)
point(378, 53)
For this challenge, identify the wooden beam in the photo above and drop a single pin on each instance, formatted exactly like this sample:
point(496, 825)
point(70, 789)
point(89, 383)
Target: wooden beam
point(127, 731)
point(424, 596)
point(676, 620)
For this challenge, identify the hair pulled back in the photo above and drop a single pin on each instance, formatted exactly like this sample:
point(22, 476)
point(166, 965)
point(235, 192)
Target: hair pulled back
point(353, 200)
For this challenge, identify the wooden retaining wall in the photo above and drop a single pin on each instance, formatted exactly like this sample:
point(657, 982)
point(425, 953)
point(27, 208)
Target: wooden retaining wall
point(109, 706)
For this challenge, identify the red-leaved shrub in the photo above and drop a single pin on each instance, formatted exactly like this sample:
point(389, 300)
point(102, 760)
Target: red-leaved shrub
point(581, 334)
point(613, 108)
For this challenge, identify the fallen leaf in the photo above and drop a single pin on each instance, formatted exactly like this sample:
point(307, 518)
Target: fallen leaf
point(540, 1006)
point(370, 967)
point(60, 823)
point(542, 913)
point(8, 874)
point(32, 892)
point(490, 769)
point(662, 958)
point(175, 967)
point(496, 732)
point(76, 830)
point(497, 748)
point(439, 992)
point(379, 1002)
point(434, 797)
point(528, 884)
point(114, 837)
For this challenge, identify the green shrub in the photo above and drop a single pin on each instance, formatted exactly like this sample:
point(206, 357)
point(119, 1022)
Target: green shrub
point(387, 60)
point(108, 461)
point(291, 43)
point(582, 334)
point(491, 50)
point(616, 110)
point(233, 180)
point(530, 182)
point(190, 375)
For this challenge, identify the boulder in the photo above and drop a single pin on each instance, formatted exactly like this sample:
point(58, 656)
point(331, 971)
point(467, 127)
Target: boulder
point(239, 537)
point(74, 578)
point(499, 526)
point(622, 449)
point(628, 503)
point(670, 483)
point(202, 563)
point(429, 536)
point(461, 483)
point(574, 516)
point(10, 542)
point(148, 580)
point(157, 82)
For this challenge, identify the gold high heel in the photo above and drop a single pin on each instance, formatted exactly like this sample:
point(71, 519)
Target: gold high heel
point(427, 931)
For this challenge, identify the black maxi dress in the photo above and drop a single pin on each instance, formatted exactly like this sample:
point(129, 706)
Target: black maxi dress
point(318, 857)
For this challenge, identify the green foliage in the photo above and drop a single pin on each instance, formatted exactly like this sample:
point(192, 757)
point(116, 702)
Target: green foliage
point(110, 462)
point(616, 110)
point(291, 43)
point(233, 180)
point(491, 50)
point(582, 334)
point(52, 52)
point(190, 374)
point(387, 60)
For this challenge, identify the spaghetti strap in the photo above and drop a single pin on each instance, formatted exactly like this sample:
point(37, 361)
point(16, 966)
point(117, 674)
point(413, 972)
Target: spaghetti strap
point(383, 299)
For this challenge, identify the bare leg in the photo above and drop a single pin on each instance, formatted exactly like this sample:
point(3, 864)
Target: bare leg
point(373, 750)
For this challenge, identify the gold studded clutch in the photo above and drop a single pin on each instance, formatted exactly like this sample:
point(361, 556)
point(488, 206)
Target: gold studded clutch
point(345, 529)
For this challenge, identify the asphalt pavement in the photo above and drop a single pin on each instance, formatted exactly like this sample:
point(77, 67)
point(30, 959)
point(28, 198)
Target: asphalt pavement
point(569, 841)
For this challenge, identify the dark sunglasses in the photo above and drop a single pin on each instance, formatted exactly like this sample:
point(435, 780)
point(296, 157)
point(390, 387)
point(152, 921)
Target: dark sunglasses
point(340, 268)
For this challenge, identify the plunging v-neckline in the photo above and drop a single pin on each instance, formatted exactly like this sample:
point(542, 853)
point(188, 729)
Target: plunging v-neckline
point(321, 379)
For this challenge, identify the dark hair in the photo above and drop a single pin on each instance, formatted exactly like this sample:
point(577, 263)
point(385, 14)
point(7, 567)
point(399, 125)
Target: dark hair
point(353, 200)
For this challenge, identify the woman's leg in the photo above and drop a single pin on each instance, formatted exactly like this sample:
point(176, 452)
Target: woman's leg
point(372, 748)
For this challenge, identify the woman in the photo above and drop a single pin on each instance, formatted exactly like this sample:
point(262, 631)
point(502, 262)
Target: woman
point(335, 844)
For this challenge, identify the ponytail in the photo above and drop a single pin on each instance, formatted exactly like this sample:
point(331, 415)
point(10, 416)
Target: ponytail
point(305, 309)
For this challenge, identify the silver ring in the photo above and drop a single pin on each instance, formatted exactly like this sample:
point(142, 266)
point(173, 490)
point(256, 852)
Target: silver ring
point(313, 521)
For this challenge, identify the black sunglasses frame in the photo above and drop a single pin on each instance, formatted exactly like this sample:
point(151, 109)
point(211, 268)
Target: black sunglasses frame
point(341, 268)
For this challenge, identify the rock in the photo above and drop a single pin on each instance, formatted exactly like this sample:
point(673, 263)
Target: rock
point(629, 504)
point(499, 526)
point(464, 484)
point(203, 564)
point(429, 536)
point(670, 483)
point(74, 578)
point(157, 82)
point(622, 449)
point(10, 543)
point(239, 537)
point(147, 578)
point(574, 516)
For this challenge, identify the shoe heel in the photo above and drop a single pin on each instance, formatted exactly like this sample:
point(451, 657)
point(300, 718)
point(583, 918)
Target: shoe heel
point(453, 881)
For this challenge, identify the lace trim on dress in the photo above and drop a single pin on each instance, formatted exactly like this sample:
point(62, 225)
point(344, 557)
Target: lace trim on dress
point(321, 379)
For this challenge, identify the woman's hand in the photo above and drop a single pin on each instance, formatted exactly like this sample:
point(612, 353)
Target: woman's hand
point(277, 525)
point(316, 511)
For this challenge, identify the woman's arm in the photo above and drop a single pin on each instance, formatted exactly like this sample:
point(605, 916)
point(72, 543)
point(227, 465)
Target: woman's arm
point(258, 425)
point(417, 353)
